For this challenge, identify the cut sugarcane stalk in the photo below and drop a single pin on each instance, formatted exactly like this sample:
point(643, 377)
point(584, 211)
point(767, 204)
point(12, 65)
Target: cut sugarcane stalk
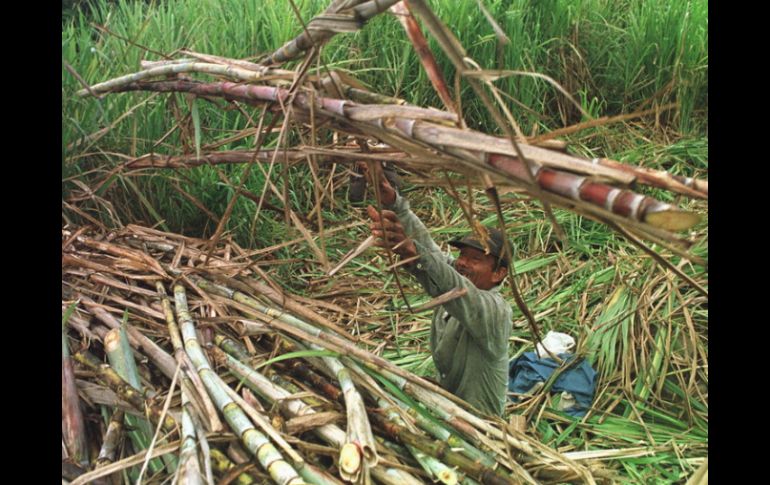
point(111, 440)
point(257, 443)
point(122, 361)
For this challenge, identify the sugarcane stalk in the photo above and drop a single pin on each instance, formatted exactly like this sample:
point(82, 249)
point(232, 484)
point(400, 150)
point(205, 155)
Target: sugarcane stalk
point(293, 388)
point(73, 426)
point(659, 178)
point(455, 416)
point(222, 464)
point(154, 160)
point(442, 433)
point(111, 440)
point(122, 361)
point(442, 452)
point(232, 347)
point(125, 390)
point(318, 382)
point(330, 433)
point(323, 27)
point(285, 301)
point(176, 68)
point(481, 151)
point(191, 383)
point(360, 440)
point(433, 466)
point(308, 472)
point(257, 443)
point(189, 466)
point(475, 428)
point(164, 362)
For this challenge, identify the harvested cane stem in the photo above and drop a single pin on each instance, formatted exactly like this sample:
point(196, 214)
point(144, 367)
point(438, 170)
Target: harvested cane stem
point(191, 383)
point(308, 472)
point(442, 452)
point(621, 202)
point(487, 151)
point(319, 383)
point(257, 443)
point(189, 467)
point(330, 433)
point(111, 440)
point(125, 390)
point(433, 466)
point(170, 69)
point(73, 427)
point(217, 158)
point(232, 347)
point(658, 178)
point(323, 27)
point(223, 465)
point(122, 361)
point(285, 301)
point(360, 440)
point(164, 362)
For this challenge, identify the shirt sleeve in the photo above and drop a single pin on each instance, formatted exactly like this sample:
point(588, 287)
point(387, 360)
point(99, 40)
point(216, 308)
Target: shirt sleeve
point(413, 226)
point(480, 312)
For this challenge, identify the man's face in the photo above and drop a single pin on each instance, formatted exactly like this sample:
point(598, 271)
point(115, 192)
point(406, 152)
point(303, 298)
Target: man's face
point(479, 268)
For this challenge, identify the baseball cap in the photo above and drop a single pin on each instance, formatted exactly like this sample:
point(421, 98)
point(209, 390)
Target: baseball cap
point(495, 243)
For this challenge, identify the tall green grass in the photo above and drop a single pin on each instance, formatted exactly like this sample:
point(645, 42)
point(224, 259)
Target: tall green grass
point(613, 56)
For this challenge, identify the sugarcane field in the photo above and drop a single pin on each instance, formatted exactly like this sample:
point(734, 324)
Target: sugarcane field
point(384, 242)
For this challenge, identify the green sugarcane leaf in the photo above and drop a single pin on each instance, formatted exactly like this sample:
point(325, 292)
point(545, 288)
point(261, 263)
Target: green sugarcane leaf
point(299, 355)
point(401, 395)
point(197, 127)
point(68, 312)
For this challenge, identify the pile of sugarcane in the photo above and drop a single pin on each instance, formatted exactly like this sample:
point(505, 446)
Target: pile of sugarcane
point(179, 360)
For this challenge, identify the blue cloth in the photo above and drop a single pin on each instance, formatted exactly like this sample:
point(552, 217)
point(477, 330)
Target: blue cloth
point(579, 379)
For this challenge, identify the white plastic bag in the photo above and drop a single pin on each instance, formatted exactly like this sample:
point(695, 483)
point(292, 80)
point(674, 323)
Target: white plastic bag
point(556, 342)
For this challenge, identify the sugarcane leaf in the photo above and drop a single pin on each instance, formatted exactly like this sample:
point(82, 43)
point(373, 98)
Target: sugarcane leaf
point(401, 395)
point(106, 185)
point(68, 312)
point(300, 354)
point(146, 203)
point(533, 263)
point(197, 127)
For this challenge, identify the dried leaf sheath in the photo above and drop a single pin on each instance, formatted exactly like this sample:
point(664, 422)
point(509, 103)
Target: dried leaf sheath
point(73, 428)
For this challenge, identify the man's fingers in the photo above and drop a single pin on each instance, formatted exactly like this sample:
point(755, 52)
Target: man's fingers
point(372, 212)
point(387, 225)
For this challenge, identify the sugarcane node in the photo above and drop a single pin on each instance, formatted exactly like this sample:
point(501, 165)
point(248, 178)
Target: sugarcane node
point(350, 458)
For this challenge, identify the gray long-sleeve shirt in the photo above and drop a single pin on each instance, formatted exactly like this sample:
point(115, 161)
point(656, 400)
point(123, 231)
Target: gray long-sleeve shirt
point(469, 335)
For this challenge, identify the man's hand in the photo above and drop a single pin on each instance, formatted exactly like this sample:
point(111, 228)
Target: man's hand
point(387, 192)
point(389, 232)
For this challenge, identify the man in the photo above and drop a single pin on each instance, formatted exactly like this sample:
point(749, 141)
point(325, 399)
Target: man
point(469, 335)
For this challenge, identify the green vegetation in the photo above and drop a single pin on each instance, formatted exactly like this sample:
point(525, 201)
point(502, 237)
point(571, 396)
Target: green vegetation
point(643, 329)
